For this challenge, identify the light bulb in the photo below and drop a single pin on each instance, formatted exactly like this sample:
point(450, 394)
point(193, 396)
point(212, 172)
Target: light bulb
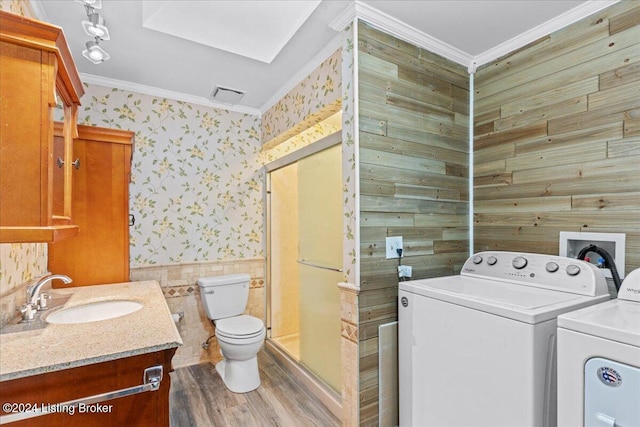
point(95, 53)
point(95, 27)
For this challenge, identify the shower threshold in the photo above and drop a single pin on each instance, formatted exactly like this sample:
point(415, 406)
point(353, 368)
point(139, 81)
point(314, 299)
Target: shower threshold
point(290, 344)
point(325, 394)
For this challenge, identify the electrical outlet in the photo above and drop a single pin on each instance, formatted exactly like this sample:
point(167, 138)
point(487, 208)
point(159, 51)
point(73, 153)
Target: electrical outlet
point(393, 244)
point(404, 270)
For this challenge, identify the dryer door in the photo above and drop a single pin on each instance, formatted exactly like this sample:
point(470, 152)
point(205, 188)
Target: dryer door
point(611, 394)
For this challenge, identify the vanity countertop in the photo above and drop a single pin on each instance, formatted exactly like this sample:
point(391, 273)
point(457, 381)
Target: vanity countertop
point(61, 346)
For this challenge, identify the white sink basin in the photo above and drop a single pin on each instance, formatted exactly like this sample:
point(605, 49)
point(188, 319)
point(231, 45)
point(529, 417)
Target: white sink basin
point(94, 311)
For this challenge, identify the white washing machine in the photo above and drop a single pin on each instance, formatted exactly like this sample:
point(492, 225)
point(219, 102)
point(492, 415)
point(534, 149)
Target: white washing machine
point(478, 349)
point(599, 362)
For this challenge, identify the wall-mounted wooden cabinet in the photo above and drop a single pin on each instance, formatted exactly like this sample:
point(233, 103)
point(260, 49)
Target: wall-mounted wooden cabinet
point(100, 252)
point(36, 72)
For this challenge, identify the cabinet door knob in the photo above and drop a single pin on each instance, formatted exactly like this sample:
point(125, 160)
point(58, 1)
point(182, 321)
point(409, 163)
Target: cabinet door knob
point(60, 163)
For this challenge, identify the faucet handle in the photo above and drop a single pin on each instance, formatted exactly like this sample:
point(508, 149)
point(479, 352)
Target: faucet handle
point(28, 312)
point(42, 301)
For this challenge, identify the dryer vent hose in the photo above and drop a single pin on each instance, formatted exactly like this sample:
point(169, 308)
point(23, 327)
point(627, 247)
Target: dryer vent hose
point(608, 262)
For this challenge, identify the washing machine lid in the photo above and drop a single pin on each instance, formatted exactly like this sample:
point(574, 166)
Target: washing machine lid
point(615, 320)
point(523, 303)
point(239, 326)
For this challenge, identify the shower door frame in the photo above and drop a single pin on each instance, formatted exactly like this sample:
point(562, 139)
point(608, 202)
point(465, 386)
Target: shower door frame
point(289, 159)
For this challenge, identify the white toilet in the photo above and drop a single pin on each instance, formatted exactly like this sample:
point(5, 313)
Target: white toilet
point(240, 336)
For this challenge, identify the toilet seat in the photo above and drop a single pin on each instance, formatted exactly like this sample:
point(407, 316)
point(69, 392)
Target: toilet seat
point(240, 327)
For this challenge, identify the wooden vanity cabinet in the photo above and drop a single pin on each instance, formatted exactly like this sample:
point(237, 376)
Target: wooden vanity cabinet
point(36, 73)
point(100, 204)
point(146, 409)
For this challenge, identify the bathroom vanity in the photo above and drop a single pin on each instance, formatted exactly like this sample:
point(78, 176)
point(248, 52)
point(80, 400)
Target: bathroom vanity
point(128, 356)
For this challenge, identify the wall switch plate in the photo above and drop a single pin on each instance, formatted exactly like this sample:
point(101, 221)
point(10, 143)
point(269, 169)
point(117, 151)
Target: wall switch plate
point(392, 245)
point(404, 270)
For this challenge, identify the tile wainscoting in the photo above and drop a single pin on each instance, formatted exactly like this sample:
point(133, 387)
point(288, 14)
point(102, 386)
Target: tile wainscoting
point(349, 350)
point(179, 284)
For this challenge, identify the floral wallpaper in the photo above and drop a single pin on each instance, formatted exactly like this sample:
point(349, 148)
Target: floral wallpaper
point(196, 189)
point(19, 7)
point(311, 101)
point(350, 158)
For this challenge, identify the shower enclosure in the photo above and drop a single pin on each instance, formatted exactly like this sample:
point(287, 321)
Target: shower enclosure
point(304, 257)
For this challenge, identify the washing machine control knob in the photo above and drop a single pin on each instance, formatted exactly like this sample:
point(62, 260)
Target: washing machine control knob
point(477, 259)
point(519, 262)
point(492, 260)
point(573, 270)
point(551, 267)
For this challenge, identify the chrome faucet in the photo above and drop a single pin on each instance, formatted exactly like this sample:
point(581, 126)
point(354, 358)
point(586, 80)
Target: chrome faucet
point(33, 291)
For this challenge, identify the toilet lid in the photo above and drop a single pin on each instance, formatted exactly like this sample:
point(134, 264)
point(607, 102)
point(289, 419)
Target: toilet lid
point(239, 326)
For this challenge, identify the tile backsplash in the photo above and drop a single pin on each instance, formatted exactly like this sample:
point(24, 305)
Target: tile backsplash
point(20, 265)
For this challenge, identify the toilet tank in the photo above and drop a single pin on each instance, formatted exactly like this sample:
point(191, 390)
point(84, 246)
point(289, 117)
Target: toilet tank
point(224, 296)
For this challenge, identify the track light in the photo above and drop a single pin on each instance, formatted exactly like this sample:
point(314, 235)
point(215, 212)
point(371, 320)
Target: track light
point(95, 53)
point(96, 4)
point(95, 27)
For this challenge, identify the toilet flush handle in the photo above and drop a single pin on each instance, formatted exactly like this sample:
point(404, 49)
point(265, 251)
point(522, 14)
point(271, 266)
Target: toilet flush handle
point(210, 291)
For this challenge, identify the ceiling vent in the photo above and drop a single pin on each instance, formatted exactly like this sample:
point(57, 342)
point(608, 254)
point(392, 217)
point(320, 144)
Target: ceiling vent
point(227, 95)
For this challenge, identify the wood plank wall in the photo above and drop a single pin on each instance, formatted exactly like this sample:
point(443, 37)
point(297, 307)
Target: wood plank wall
point(413, 180)
point(557, 137)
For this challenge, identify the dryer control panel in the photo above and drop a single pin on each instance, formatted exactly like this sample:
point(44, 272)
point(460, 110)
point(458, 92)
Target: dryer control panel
point(630, 289)
point(538, 270)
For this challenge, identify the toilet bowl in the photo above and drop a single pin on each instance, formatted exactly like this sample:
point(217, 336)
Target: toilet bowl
point(240, 336)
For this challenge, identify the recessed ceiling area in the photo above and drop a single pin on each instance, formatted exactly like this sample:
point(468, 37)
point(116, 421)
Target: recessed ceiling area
point(253, 29)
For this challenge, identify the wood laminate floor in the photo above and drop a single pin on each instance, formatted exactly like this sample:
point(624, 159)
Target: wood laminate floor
point(198, 397)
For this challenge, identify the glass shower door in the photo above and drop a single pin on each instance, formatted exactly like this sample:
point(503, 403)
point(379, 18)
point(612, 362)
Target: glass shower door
point(320, 263)
point(283, 287)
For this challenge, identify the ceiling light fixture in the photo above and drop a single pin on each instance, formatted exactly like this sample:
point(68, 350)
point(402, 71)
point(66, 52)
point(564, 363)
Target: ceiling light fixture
point(95, 53)
point(95, 27)
point(96, 4)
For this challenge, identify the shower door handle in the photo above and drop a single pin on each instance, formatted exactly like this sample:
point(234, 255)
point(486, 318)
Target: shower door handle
point(323, 267)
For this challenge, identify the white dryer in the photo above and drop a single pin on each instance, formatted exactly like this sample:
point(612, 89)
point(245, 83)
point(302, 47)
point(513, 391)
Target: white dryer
point(599, 362)
point(478, 349)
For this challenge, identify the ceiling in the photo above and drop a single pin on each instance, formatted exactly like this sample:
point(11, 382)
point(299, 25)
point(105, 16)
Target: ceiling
point(184, 49)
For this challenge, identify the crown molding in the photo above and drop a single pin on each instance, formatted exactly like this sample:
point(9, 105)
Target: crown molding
point(344, 18)
point(302, 73)
point(162, 93)
point(409, 34)
point(570, 17)
point(380, 20)
point(391, 25)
